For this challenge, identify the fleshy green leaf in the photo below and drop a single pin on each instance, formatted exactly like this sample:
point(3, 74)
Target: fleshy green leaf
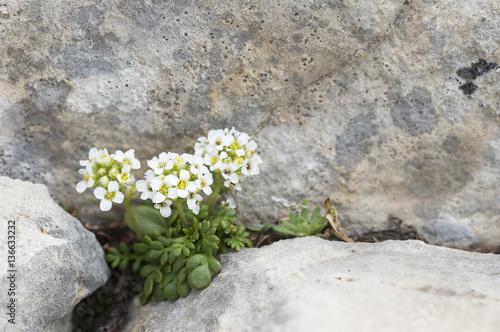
point(148, 219)
point(200, 277)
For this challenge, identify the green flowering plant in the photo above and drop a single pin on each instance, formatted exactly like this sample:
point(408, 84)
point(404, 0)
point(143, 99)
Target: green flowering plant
point(179, 232)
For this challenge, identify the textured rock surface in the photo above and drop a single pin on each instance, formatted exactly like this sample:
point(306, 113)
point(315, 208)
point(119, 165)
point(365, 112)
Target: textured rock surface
point(58, 262)
point(311, 284)
point(357, 100)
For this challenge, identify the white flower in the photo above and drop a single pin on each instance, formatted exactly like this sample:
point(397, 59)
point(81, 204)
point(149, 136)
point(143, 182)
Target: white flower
point(229, 203)
point(214, 159)
point(164, 188)
point(125, 177)
point(220, 139)
point(251, 167)
point(231, 185)
point(184, 186)
point(128, 158)
point(164, 208)
point(108, 196)
point(144, 186)
point(103, 158)
point(197, 166)
point(228, 172)
point(204, 181)
point(88, 181)
point(163, 162)
point(193, 202)
point(92, 157)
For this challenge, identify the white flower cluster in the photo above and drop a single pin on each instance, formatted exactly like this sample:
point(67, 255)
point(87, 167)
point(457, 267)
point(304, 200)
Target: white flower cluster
point(174, 176)
point(224, 158)
point(109, 174)
point(230, 153)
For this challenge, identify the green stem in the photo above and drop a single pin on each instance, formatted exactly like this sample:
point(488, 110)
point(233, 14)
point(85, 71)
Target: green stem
point(178, 206)
point(215, 192)
point(132, 219)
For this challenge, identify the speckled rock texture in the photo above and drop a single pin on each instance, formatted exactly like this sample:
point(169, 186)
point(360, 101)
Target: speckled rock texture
point(382, 105)
point(309, 284)
point(57, 261)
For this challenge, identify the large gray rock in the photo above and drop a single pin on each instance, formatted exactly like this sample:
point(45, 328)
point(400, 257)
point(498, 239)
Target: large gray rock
point(357, 100)
point(309, 284)
point(57, 261)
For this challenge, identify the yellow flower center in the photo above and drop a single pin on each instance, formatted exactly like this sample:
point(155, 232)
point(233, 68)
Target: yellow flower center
point(236, 146)
point(203, 183)
point(182, 184)
point(86, 177)
point(127, 161)
point(218, 142)
point(163, 189)
point(215, 159)
point(161, 165)
point(110, 195)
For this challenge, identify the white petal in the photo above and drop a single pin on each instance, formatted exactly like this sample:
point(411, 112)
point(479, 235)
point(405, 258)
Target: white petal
point(156, 183)
point(182, 193)
point(105, 205)
point(141, 185)
point(184, 174)
point(136, 164)
point(172, 193)
point(81, 186)
point(118, 197)
point(159, 197)
point(207, 190)
point(171, 180)
point(113, 186)
point(191, 186)
point(166, 211)
point(100, 192)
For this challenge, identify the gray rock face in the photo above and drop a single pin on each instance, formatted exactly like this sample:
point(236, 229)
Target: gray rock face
point(356, 100)
point(309, 284)
point(57, 262)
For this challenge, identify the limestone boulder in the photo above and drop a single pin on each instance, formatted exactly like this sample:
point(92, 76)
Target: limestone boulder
point(390, 108)
point(310, 284)
point(55, 262)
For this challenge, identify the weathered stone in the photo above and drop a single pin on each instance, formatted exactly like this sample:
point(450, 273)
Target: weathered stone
point(357, 100)
point(56, 261)
point(309, 284)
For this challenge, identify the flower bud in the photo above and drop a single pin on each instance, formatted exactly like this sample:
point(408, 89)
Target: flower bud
point(113, 172)
point(102, 172)
point(104, 181)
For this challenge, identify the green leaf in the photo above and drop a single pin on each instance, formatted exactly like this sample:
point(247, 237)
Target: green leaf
point(200, 277)
point(124, 248)
point(305, 211)
point(157, 276)
point(158, 293)
point(154, 254)
point(284, 230)
point(157, 245)
point(141, 248)
point(136, 265)
point(170, 291)
point(183, 289)
point(194, 261)
point(123, 264)
point(148, 285)
point(213, 264)
point(147, 270)
point(148, 219)
point(115, 263)
point(114, 251)
point(110, 258)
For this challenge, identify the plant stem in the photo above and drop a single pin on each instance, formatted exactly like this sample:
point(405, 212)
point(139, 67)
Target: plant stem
point(178, 206)
point(215, 191)
point(132, 219)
